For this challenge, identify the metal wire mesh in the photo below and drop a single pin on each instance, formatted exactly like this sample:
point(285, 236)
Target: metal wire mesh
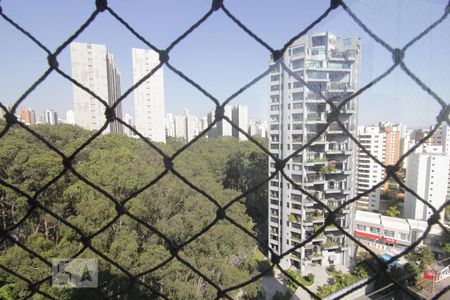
point(221, 213)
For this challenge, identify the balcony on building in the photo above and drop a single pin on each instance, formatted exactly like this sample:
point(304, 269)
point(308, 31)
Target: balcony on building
point(340, 87)
point(349, 55)
point(315, 159)
point(312, 97)
point(316, 118)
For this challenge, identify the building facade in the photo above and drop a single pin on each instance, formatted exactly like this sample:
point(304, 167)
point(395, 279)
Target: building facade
point(50, 117)
point(149, 96)
point(395, 234)
point(442, 138)
point(369, 172)
point(240, 118)
point(427, 176)
point(329, 66)
point(70, 117)
point(27, 116)
point(94, 67)
point(221, 128)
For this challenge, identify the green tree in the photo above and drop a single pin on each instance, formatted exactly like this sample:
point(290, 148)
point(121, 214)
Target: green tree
point(422, 257)
point(393, 211)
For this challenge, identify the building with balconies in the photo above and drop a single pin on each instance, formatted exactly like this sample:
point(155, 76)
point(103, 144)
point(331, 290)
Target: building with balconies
point(315, 74)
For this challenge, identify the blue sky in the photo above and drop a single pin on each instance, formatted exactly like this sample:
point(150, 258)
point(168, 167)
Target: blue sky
point(222, 58)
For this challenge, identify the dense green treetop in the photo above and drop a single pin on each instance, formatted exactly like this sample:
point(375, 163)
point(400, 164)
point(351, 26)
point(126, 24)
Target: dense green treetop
point(122, 166)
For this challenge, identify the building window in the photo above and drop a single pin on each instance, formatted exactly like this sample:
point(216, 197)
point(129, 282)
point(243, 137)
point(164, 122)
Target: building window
point(297, 64)
point(404, 236)
point(319, 40)
point(375, 230)
point(297, 96)
point(298, 50)
point(389, 233)
point(275, 99)
point(275, 88)
point(297, 85)
point(347, 41)
point(316, 75)
point(314, 64)
point(297, 105)
point(318, 51)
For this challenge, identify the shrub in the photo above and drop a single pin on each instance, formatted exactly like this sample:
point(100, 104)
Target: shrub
point(280, 296)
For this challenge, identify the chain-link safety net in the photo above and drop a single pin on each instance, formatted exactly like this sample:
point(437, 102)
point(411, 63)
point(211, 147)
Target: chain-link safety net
point(221, 213)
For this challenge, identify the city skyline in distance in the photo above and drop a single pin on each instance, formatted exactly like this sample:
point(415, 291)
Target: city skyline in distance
point(407, 103)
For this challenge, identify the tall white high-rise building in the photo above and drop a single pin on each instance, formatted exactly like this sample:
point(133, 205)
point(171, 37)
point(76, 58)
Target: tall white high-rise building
point(442, 137)
point(327, 168)
point(170, 125)
point(50, 117)
point(240, 118)
point(221, 128)
point(94, 67)
point(257, 128)
point(203, 124)
point(180, 126)
point(191, 126)
point(427, 175)
point(149, 96)
point(129, 120)
point(70, 117)
point(369, 172)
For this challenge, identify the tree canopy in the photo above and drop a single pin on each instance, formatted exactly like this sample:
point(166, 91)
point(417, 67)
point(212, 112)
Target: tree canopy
point(122, 166)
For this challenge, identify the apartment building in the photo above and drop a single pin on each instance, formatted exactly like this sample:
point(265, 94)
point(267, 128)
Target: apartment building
point(27, 116)
point(94, 67)
point(238, 114)
point(70, 117)
point(427, 176)
point(240, 118)
point(50, 117)
point(442, 138)
point(221, 128)
point(149, 115)
point(370, 172)
point(329, 67)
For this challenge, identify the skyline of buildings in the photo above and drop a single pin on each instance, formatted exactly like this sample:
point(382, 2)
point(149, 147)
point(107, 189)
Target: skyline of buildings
point(329, 66)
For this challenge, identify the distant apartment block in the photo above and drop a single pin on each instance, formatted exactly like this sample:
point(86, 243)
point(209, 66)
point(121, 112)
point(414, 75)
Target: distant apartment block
point(94, 67)
point(50, 117)
point(170, 125)
point(427, 176)
point(70, 117)
point(128, 119)
point(257, 128)
point(330, 67)
point(221, 128)
point(27, 116)
point(180, 126)
point(185, 126)
point(238, 114)
point(149, 96)
point(442, 138)
point(370, 173)
point(240, 118)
